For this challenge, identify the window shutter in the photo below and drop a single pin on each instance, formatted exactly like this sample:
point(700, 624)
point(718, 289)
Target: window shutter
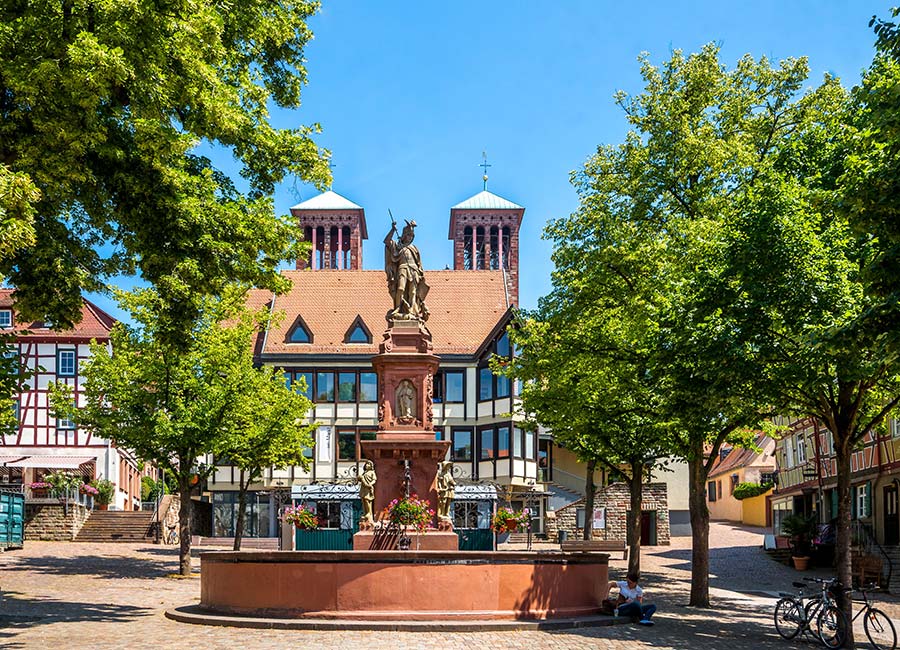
point(853, 502)
point(834, 504)
point(868, 499)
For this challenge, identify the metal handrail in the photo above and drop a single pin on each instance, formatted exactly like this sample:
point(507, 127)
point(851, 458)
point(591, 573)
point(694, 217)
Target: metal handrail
point(863, 532)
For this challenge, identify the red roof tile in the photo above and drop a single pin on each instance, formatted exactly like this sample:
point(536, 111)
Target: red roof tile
point(465, 306)
point(738, 457)
point(95, 323)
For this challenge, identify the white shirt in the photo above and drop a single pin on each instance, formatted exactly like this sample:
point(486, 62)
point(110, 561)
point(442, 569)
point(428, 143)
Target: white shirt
point(628, 593)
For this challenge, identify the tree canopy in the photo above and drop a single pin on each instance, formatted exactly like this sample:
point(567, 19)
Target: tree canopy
point(102, 106)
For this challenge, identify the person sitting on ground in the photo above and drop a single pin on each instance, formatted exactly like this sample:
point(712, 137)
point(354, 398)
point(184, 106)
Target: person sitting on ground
point(631, 600)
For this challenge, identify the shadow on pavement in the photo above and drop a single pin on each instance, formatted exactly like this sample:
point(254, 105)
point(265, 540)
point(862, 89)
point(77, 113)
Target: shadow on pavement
point(102, 566)
point(17, 612)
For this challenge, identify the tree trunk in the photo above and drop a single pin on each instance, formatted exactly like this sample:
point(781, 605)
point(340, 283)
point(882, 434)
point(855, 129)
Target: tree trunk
point(589, 489)
point(699, 532)
point(842, 543)
point(185, 513)
point(636, 488)
point(242, 504)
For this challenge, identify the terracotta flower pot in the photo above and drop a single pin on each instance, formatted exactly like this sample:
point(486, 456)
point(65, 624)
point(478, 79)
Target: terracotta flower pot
point(801, 563)
point(102, 506)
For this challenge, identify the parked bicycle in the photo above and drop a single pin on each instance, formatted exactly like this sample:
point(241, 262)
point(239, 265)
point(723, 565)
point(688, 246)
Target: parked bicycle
point(815, 615)
point(877, 624)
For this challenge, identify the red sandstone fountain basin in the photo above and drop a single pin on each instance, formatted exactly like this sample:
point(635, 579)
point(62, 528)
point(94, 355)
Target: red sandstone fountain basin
point(403, 585)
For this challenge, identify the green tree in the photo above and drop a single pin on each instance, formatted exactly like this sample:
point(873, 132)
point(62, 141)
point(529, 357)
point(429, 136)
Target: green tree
point(580, 385)
point(102, 106)
point(267, 430)
point(173, 405)
point(653, 231)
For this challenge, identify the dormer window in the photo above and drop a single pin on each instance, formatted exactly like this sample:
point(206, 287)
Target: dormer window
point(6, 318)
point(358, 332)
point(299, 333)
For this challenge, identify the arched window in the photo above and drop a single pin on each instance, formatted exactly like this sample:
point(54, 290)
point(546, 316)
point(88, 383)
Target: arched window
point(495, 252)
point(333, 248)
point(320, 248)
point(505, 240)
point(479, 247)
point(467, 249)
point(345, 251)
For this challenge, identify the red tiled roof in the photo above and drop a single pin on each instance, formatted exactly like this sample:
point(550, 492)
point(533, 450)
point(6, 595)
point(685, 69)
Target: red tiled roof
point(95, 323)
point(465, 306)
point(739, 457)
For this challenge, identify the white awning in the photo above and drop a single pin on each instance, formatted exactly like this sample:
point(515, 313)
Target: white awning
point(53, 462)
point(8, 459)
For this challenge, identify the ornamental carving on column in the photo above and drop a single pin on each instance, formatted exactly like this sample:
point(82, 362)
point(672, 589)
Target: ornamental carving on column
point(429, 397)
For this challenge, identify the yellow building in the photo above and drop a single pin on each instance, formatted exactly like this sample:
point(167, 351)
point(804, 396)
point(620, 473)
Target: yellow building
point(733, 467)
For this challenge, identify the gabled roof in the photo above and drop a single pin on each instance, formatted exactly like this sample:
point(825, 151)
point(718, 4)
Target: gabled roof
point(329, 200)
point(465, 307)
point(95, 323)
point(486, 201)
point(739, 458)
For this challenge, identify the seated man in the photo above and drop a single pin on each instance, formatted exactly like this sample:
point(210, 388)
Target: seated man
point(631, 600)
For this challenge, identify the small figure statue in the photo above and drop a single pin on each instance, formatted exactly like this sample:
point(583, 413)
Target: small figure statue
point(367, 492)
point(406, 401)
point(405, 275)
point(446, 491)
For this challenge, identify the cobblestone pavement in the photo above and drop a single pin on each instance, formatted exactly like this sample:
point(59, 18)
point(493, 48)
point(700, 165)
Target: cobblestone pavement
point(62, 596)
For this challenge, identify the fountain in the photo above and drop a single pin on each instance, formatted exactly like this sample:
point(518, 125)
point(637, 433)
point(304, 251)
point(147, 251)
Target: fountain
point(393, 586)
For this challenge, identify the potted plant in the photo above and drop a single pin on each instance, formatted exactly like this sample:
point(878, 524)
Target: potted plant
point(508, 521)
point(40, 489)
point(301, 517)
point(106, 490)
point(410, 512)
point(801, 531)
point(62, 483)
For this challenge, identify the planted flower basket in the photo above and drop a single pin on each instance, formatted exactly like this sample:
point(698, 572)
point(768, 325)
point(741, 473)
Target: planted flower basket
point(411, 512)
point(509, 521)
point(301, 517)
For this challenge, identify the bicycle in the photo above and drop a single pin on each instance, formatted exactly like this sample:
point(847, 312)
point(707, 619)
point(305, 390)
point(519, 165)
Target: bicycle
point(877, 624)
point(797, 613)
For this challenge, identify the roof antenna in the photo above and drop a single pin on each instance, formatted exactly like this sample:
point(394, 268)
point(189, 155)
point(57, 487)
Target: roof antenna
point(484, 165)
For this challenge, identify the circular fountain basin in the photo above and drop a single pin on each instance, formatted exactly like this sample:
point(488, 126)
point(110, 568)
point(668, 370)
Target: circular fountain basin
point(403, 585)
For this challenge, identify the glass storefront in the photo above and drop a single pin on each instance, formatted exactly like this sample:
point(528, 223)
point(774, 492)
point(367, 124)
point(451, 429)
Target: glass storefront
point(258, 515)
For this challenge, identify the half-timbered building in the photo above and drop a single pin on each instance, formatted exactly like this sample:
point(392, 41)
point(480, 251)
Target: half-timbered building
point(42, 442)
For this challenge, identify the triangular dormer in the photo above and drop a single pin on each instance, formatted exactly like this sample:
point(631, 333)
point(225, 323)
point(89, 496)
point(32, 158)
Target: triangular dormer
point(299, 332)
point(358, 332)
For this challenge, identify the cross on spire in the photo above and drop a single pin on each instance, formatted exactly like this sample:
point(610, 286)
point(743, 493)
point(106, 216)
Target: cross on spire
point(484, 165)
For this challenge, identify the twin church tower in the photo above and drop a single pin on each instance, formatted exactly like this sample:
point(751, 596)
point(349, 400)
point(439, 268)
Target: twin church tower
point(484, 230)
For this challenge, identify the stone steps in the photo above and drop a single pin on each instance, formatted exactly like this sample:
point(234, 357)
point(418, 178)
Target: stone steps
point(116, 526)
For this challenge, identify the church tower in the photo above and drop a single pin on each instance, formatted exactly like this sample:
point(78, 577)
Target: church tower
point(336, 227)
point(485, 234)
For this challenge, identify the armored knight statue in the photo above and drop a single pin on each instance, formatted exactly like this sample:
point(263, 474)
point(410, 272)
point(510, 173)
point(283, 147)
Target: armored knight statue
point(405, 275)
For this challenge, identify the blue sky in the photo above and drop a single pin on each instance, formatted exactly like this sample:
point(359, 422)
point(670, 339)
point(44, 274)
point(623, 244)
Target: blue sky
point(409, 94)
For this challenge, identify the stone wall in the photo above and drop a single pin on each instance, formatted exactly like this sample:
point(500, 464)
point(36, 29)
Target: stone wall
point(617, 501)
point(51, 523)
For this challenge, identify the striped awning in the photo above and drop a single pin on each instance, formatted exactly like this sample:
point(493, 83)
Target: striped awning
point(52, 462)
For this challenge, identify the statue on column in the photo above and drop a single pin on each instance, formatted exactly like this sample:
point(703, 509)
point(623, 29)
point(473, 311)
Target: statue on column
point(405, 275)
point(367, 492)
point(446, 486)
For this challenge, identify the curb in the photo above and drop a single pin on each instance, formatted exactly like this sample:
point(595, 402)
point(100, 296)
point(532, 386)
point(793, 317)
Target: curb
point(194, 615)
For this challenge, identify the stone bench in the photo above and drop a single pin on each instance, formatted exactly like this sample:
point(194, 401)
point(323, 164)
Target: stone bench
point(588, 545)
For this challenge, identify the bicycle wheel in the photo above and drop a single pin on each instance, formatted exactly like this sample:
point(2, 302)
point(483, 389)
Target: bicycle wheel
point(831, 627)
point(788, 618)
point(880, 630)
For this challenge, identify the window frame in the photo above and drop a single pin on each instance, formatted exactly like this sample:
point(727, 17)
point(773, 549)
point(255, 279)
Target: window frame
point(333, 399)
point(481, 383)
point(59, 356)
point(462, 374)
point(453, 448)
point(11, 323)
point(493, 447)
point(337, 392)
point(711, 491)
point(359, 396)
point(299, 324)
point(344, 431)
